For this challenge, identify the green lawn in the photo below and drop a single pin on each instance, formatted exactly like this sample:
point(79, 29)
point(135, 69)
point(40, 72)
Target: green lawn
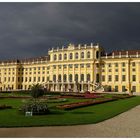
point(85, 115)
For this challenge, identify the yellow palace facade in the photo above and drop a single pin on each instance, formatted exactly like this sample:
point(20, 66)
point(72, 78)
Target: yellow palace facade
point(75, 69)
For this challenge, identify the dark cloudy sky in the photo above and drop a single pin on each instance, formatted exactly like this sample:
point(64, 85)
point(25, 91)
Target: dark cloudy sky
point(29, 29)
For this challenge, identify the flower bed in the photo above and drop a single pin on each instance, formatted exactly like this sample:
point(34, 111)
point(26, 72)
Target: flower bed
point(93, 96)
point(5, 107)
point(37, 107)
point(122, 96)
point(83, 104)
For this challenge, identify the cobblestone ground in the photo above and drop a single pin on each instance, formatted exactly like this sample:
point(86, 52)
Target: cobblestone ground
point(124, 125)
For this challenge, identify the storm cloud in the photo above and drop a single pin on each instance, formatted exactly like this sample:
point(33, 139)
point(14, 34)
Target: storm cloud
point(30, 29)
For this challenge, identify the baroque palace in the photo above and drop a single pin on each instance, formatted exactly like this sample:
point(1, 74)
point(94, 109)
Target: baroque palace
point(75, 68)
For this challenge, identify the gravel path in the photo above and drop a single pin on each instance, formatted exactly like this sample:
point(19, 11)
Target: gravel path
point(125, 125)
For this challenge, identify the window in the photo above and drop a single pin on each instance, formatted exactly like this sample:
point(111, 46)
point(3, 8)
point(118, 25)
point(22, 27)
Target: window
point(26, 79)
point(133, 69)
point(123, 89)
point(70, 65)
point(59, 78)
point(65, 77)
point(97, 54)
point(88, 65)
point(70, 77)
point(123, 70)
point(76, 77)
point(29, 79)
point(43, 79)
point(82, 77)
point(64, 66)
point(65, 56)
point(109, 78)
point(48, 78)
point(34, 79)
point(54, 66)
point(134, 88)
point(116, 64)
point(133, 77)
point(82, 65)
point(18, 79)
point(133, 64)
point(123, 64)
point(71, 56)
point(123, 77)
point(60, 56)
point(76, 65)
point(82, 54)
point(116, 70)
point(116, 78)
point(109, 65)
point(116, 88)
point(88, 77)
point(88, 54)
point(54, 78)
point(103, 70)
point(103, 78)
point(59, 66)
point(109, 70)
point(76, 55)
point(97, 78)
point(55, 57)
point(38, 79)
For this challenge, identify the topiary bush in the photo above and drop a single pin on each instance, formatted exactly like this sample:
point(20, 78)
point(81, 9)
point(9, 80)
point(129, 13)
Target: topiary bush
point(37, 107)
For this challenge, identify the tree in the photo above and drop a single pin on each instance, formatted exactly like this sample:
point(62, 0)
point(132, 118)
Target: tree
point(37, 91)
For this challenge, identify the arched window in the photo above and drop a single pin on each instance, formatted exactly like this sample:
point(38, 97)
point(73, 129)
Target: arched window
point(55, 57)
point(88, 77)
point(70, 78)
point(82, 77)
point(76, 77)
point(82, 54)
point(97, 78)
point(59, 78)
point(88, 54)
point(76, 55)
point(60, 56)
point(54, 78)
point(97, 54)
point(65, 56)
point(65, 78)
point(71, 56)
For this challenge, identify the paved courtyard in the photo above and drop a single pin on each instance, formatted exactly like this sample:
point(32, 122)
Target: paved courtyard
point(124, 125)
